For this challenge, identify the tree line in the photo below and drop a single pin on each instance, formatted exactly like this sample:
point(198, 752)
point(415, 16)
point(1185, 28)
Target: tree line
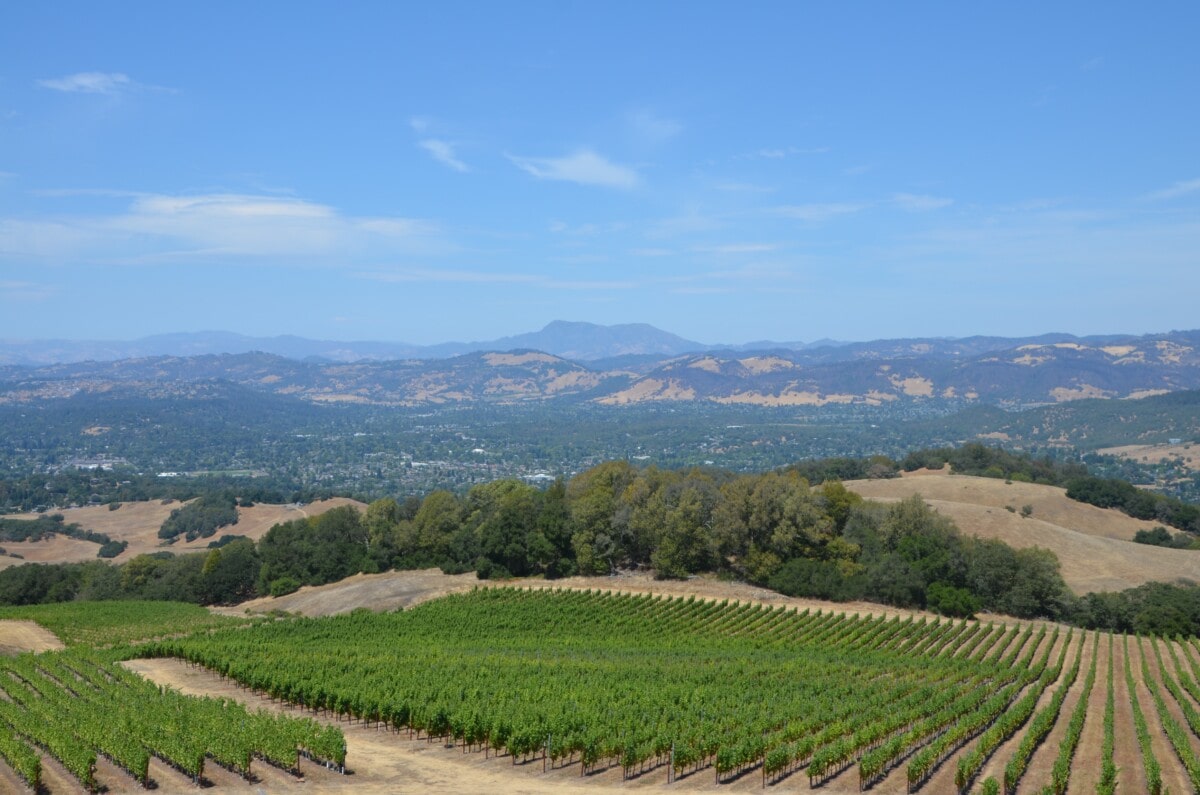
point(772, 529)
point(798, 531)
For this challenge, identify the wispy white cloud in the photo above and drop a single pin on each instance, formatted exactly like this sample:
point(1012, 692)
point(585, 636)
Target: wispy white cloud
point(583, 167)
point(407, 275)
point(744, 187)
point(788, 151)
point(24, 292)
point(58, 193)
point(586, 229)
point(89, 83)
point(159, 228)
point(443, 152)
point(818, 212)
point(688, 223)
point(917, 203)
point(590, 228)
point(651, 129)
point(858, 171)
point(1092, 64)
point(97, 83)
point(438, 275)
point(699, 290)
point(1045, 96)
point(737, 248)
point(395, 227)
point(585, 285)
point(1175, 191)
point(780, 152)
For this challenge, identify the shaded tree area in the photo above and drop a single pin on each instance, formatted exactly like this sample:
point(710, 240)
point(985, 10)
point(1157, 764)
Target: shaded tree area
point(1162, 537)
point(1154, 608)
point(315, 550)
point(983, 460)
point(200, 518)
point(1138, 503)
point(224, 576)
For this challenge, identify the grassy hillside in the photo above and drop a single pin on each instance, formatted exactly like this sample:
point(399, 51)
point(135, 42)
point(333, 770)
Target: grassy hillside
point(138, 524)
point(1094, 545)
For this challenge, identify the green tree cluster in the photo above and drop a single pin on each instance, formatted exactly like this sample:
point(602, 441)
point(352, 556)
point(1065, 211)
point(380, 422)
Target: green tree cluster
point(200, 518)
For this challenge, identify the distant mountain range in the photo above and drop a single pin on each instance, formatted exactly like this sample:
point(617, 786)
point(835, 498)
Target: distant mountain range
point(634, 345)
point(622, 365)
point(580, 341)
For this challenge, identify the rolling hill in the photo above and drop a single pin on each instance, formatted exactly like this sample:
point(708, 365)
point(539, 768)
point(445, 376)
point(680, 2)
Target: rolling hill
point(1093, 545)
point(888, 372)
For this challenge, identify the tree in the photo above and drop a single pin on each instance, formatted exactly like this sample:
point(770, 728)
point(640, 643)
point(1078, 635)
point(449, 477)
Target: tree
point(686, 544)
point(435, 525)
point(554, 524)
point(504, 515)
point(382, 521)
point(229, 573)
point(593, 498)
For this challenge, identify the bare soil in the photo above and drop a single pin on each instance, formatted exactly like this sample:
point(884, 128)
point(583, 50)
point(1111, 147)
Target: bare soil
point(1041, 765)
point(1174, 777)
point(1127, 754)
point(1000, 758)
point(1094, 545)
point(19, 636)
point(1085, 767)
point(378, 592)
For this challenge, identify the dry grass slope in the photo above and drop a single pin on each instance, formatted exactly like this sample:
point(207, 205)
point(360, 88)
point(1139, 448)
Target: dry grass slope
point(1094, 545)
point(138, 524)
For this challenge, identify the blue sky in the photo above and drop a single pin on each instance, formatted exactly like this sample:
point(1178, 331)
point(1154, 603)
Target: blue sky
point(726, 171)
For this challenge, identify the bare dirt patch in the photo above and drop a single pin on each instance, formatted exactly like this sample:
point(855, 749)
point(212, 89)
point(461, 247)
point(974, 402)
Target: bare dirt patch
point(1093, 544)
point(378, 592)
point(19, 636)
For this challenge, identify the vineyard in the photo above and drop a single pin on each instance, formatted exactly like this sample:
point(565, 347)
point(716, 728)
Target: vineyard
point(622, 690)
point(65, 715)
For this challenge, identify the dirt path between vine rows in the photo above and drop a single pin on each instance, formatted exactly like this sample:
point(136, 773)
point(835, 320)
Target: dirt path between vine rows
point(1127, 754)
point(998, 761)
point(1086, 764)
point(1041, 764)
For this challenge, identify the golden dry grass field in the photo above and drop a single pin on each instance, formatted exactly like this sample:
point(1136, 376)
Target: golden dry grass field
point(138, 524)
point(1094, 545)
